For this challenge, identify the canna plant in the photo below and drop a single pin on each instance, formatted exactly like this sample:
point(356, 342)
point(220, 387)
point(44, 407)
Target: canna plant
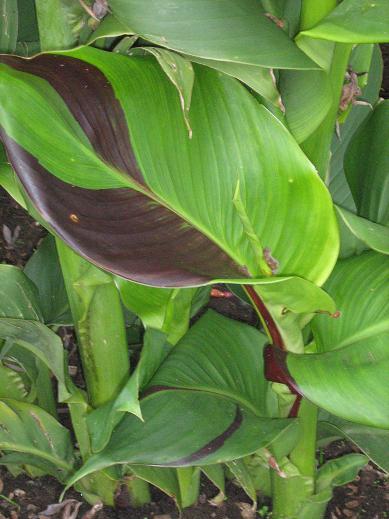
point(168, 146)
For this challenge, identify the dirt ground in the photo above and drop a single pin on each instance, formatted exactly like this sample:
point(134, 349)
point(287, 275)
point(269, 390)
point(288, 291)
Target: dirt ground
point(367, 497)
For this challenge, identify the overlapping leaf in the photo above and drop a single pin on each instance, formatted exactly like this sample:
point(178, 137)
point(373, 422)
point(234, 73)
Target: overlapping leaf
point(367, 166)
point(355, 21)
point(353, 362)
point(44, 270)
point(371, 440)
point(221, 30)
point(29, 435)
point(372, 234)
point(152, 204)
point(197, 412)
point(18, 295)
point(338, 184)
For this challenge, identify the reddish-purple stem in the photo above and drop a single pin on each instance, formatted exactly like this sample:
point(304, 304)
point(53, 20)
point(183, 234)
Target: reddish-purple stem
point(272, 371)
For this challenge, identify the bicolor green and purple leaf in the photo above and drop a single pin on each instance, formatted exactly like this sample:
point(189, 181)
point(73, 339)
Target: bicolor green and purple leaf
point(206, 404)
point(352, 362)
point(100, 145)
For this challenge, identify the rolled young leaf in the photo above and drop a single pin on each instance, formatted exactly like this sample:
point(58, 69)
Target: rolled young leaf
point(100, 145)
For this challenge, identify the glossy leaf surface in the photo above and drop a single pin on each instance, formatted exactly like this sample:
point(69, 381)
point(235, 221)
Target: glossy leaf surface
point(307, 96)
point(375, 236)
point(204, 28)
point(353, 361)
point(175, 213)
point(360, 287)
point(212, 412)
point(355, 21)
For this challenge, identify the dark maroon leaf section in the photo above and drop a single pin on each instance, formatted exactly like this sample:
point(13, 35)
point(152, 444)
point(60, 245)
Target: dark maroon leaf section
point(276, 370)
point(119, 230)
point(275, 356)
point(91, 99)
point(213, 445)
point(274, 332)
point(122, 230)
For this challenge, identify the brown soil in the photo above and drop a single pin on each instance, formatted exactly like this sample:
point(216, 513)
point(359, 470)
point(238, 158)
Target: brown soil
point(24, 498)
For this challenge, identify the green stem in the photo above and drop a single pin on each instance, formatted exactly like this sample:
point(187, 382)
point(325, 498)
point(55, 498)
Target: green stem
point(189, 483)
point(291, 493)
point(303, 455)
point(139, 492)
point(102, 343)
point(99, 323)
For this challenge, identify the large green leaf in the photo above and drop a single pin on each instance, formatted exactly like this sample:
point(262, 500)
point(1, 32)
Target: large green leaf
point(354, 21)
point(215, 29)
point(367, 166)
point(206, 404)
point(183, 225)
point(102, 420)
point(260, 79)
point(29, 431)
point(18, 295)
point(180, 72)
point(44, 270)
point(360, 287)
point(353, 360)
